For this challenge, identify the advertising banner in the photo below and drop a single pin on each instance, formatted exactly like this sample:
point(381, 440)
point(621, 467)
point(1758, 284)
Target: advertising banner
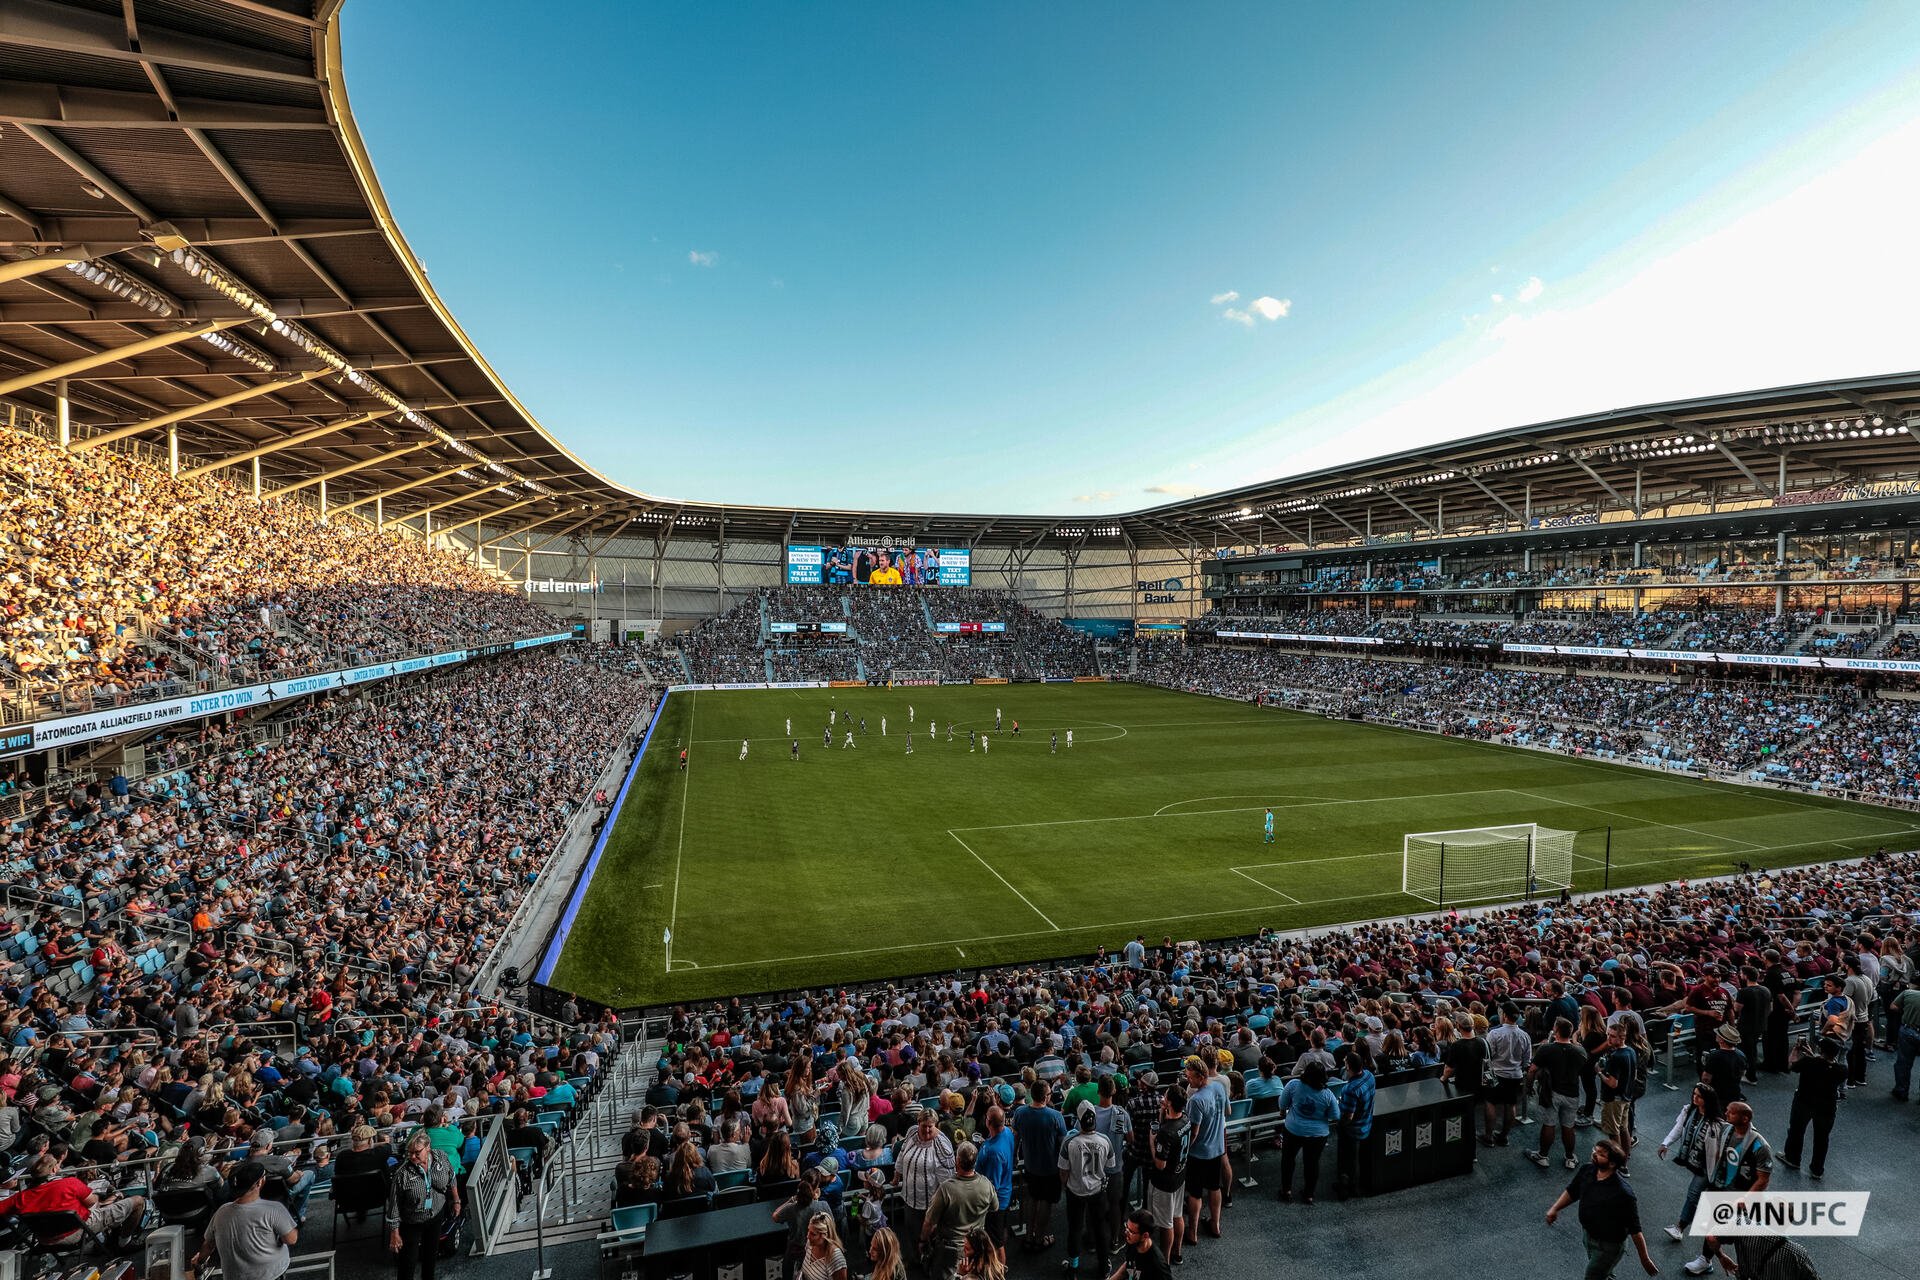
point(89, 726)
point(889, 564)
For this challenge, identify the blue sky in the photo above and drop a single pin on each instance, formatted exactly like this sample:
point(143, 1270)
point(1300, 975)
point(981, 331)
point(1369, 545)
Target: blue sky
point(978, 257)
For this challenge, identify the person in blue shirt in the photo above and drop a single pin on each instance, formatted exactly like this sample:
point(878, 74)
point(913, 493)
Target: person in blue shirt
point(1269, 839)
point(995, 1164)
point(1038, 1132)
point(1267, 1082)
point(1311, 1111)
point(1356, 1123)
point(1206, 1117)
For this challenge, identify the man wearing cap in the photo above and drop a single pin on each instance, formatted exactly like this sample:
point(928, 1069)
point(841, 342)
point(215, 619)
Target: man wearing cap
point(1724, 1066)
point(299, 1182)
point(1085, 1158)
point(249, 1234)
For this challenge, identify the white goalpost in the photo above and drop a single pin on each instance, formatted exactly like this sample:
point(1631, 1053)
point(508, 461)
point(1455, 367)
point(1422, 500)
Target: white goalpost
point(1478, 864)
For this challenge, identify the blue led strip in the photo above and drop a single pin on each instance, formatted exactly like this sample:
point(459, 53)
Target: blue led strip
point(559, 942)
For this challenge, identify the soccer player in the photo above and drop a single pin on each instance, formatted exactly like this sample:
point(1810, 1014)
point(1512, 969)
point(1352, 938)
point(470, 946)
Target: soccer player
point(683, 759)
point(1053, 743)
point(909, 713)
point(984, 740)
point(789, 726)
point(933, 728)
point(971, 741)
point(1069, 739)
point(794, 754)
point(826, 739)
point(848, 742)
point(1016, 728)
point(996, 719)
point(909, 742)
point(1269, 839)
point(950, 732)
point(883, 726)
point(833, 715)
point(863, 724)
point(743, 748)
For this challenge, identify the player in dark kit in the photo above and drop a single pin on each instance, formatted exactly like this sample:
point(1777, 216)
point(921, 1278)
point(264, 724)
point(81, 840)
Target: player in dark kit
point(795, 753)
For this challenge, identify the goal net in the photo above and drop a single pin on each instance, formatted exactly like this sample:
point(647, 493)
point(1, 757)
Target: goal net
point(1478, 864)
point(913, 676)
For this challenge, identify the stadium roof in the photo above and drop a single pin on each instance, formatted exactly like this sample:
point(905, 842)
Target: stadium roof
point(192, 237)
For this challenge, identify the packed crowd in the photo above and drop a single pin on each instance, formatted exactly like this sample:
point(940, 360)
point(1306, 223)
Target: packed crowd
point(117, 580)
point(1823, 737)
point(265, 952)
point(946, 1121)
point(890, 631)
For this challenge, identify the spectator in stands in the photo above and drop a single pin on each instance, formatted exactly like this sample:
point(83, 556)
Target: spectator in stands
point(1039, 1131)
point(249, 1235)
point(1311, 1112)
point(960, 1206)
point(1816, 1100)
point(1739, 1159)
point(50, 1189)
point(1695, 1132)
point(422, 1196)
point(923, 1161)
point(1609, 1210)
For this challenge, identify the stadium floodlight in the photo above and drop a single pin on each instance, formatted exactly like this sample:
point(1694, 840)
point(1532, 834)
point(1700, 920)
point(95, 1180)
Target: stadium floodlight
point(121, 285)
point(1486, 864)
point(240, 350)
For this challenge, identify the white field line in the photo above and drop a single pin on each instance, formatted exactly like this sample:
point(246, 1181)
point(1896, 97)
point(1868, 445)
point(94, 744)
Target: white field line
point(1264, 885)
point(1209, 915)
point(1003, 880)
point(1630, 817)
point(1201, 813)
point(680, 845)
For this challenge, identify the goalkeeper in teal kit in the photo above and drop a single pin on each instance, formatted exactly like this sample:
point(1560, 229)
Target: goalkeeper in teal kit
point(1269, 839)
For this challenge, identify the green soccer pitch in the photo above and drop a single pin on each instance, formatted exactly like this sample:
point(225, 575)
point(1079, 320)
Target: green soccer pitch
point(866, 862)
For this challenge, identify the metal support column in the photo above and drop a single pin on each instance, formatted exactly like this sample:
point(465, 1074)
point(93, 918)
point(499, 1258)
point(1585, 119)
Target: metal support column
point(323, 502)
point(173, 451)
point(256, 477)
point(63, 412)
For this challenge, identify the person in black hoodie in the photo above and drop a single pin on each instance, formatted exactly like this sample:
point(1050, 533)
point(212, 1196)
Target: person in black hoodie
point(1816, 1100)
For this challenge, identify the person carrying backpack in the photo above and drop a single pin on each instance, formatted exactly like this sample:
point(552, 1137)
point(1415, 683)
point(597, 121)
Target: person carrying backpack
point(1084, 1159)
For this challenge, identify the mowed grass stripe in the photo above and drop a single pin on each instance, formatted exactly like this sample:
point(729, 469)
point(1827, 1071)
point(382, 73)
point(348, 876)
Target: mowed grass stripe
point(863, 863)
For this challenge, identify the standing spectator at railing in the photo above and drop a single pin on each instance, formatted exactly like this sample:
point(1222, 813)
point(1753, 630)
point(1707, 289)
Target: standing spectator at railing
point(924, 1160)
point(420, 1198)
point(249, 1234)
point(1038, 1131)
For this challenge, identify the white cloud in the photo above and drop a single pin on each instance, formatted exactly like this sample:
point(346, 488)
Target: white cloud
point(702, 257)
point(1680, 312)
point(1104, 495)
point(1262, 308)
point(1172, 490)
point(1499, 298)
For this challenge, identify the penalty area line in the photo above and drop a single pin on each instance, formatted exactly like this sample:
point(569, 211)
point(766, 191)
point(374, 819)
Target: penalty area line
point(1293, 901)
point(1003, 880)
